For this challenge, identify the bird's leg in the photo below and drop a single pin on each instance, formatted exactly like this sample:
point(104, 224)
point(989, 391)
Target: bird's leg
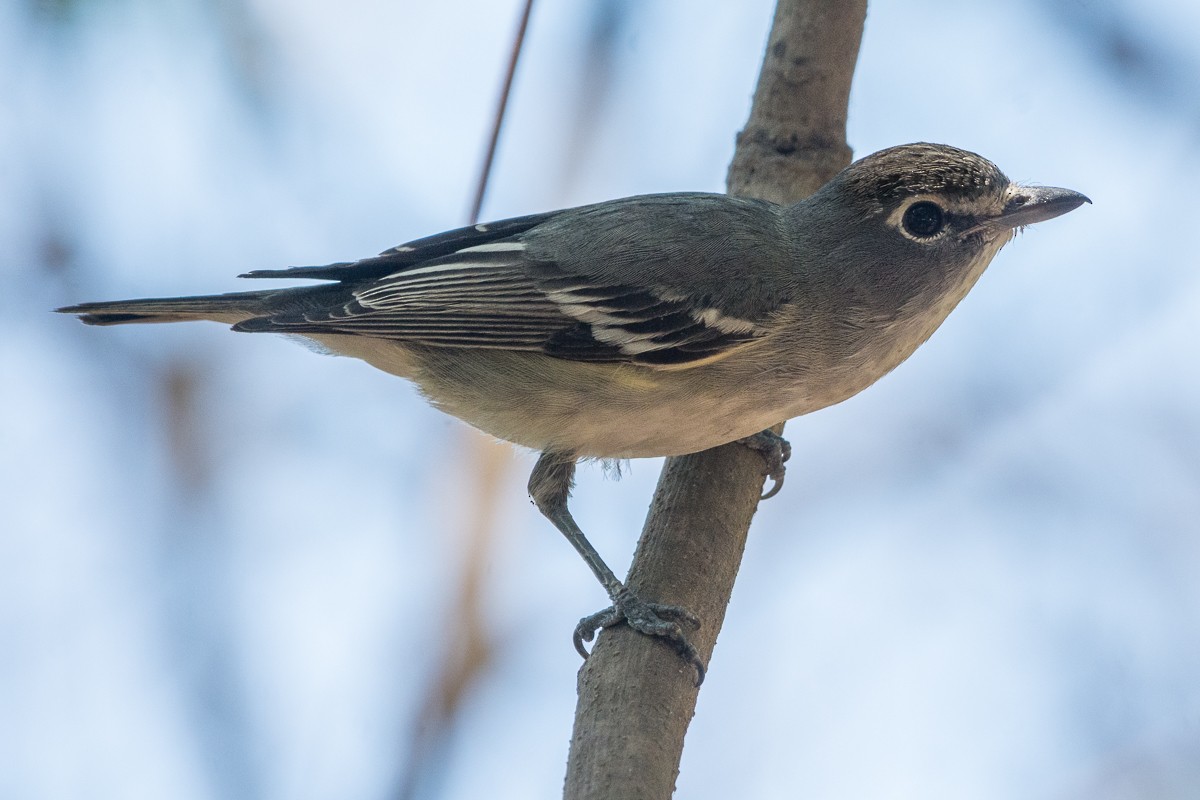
point(775, 450)
point(550, 486)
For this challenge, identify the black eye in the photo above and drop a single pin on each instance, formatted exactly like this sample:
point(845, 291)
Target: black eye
point(924, 219)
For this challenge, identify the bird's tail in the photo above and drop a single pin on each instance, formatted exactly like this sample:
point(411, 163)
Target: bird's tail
point(230, 308)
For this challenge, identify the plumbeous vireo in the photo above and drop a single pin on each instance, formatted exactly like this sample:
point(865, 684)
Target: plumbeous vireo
point(654, 325)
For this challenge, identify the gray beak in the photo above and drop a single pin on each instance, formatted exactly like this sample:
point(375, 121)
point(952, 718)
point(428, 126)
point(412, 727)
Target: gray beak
point(1030, 204)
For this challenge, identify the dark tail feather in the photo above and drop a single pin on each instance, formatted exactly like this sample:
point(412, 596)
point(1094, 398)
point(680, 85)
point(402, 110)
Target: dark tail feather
point(229, 308)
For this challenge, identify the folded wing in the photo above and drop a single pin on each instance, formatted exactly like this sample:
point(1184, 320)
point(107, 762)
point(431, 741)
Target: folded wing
point(492, 290)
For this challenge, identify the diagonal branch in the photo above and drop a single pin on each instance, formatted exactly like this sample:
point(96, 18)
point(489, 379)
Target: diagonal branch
point(636, 697)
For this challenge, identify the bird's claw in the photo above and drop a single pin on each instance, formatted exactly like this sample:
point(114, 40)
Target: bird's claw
point(775, 450)
point(652, 619)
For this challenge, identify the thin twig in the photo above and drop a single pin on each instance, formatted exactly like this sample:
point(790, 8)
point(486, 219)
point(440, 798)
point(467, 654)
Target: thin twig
point(486, 171)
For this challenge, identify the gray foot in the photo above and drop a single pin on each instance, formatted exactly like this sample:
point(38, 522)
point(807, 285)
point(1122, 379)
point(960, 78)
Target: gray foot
point(775, 450)
point(652, 619)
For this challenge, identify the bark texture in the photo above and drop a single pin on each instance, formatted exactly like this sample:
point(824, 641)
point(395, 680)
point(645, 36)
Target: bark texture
point(636, 696)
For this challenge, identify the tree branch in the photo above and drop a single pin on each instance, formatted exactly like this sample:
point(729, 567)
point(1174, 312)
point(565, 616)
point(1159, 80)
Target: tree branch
point(636, 696)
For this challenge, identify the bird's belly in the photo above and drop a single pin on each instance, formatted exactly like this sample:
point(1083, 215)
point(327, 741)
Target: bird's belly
point(601, 411)
point(590, 410)
point(616, 410)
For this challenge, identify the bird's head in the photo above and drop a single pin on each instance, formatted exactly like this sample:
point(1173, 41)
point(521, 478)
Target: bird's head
point(935, 195)
point(922, 219)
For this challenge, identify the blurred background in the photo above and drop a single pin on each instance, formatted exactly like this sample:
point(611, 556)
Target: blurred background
point(231, 568)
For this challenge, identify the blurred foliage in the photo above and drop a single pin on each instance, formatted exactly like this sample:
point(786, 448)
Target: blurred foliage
point(58, 12)
point(1147, 65)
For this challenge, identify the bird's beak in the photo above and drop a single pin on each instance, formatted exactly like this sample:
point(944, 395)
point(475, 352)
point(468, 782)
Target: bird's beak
point(1029, 204)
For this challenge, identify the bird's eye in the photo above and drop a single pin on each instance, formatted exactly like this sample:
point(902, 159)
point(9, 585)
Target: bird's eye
point(923, 220)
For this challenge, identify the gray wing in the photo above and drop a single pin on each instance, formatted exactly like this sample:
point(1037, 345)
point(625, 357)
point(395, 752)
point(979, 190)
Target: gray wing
point(410, 253)
point(615, 282)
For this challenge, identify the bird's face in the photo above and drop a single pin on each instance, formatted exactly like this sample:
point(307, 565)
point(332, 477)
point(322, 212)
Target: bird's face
point(919, 222)
point(896, 240)
point(942, 198)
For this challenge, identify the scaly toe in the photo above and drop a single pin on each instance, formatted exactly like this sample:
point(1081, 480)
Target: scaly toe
point(653, 619)
point(586, 630)
point(775, 451)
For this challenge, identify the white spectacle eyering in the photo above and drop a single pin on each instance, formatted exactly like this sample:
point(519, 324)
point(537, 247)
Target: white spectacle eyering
point(896, 218)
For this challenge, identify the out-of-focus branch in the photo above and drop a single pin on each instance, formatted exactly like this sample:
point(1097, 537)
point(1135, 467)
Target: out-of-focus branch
point(470, 648)
point(636, 696)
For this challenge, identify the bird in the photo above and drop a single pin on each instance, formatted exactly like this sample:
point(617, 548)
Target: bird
point(653, 325)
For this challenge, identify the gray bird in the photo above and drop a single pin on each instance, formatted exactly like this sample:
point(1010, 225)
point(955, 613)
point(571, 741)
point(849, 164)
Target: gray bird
point(655, 325)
